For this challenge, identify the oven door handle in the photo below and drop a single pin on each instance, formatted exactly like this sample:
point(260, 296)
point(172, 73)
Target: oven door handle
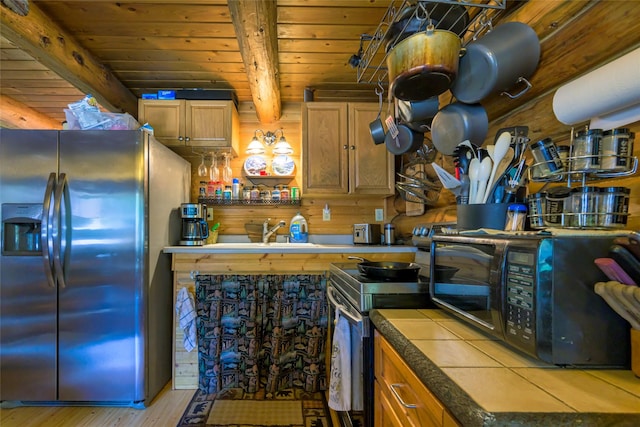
point(355, 318)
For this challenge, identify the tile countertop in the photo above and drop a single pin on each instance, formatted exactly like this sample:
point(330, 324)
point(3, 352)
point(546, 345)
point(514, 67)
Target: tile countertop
point(484, 383)
point(287, 248)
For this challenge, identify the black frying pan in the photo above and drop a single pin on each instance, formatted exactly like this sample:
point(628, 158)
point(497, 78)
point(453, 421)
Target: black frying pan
point(388, 270)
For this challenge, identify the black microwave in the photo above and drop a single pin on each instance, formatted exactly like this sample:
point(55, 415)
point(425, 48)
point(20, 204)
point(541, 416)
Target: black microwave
point(534, 292)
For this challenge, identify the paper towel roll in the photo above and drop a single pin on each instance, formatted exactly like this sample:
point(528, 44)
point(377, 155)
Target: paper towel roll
point(608, 89)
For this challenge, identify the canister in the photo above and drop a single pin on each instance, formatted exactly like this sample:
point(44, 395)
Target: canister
point(616, 149)
point(547, 160)
point(516, 214)
point(614, 207)
point(389, 234)
point(558, 203)
point(584, 155)
point(585, 207)
point(537, 208)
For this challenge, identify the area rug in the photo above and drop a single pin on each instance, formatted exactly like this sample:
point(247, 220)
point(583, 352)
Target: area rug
point(235, 408)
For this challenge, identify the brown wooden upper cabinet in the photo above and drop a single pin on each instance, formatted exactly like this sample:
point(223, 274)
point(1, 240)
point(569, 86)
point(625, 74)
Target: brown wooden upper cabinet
point(185, 123)
point(338, 154)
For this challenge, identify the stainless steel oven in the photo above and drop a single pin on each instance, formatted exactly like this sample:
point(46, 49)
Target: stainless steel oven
point(354, 295)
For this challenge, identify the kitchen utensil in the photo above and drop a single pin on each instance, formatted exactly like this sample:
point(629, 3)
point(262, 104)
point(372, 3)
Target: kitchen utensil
point(504, 57)
point(457, 122)
point(448, 181)
point(424, 64)
point(406, 141)
point(613, 271)
point(414, 207)
point(499, 152)
point(627, 261)
point(462, 155)
point(483, 177)
point(474, 171)
point(605, 290)
point(388, 270)
point(376, 127)
point(630, 244)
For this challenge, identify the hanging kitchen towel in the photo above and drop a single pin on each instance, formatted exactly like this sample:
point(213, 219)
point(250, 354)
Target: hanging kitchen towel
point(186, 312)
point(340, 381)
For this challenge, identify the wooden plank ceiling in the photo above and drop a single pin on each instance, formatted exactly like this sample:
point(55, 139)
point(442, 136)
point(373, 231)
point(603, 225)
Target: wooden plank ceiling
point(152, 45)
point(119, 50)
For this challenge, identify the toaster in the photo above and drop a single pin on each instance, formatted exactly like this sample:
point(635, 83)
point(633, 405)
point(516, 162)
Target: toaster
point(367, 234)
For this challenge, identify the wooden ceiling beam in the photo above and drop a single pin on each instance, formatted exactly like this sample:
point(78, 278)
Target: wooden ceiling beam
point(58, 50)
point(16, 115)
point(255, 26)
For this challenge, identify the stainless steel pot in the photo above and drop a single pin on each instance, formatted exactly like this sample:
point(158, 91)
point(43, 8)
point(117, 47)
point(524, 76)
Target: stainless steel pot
point(497, 62)
point(424, 64)
point(408, 140)
point(458, 122)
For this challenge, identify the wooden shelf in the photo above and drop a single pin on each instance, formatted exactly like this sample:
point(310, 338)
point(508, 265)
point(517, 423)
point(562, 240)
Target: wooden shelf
point(270, 180)
point(210, 201)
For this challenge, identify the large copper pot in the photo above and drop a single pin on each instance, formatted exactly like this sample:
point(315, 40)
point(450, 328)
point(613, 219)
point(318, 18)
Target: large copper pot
point(424, 64)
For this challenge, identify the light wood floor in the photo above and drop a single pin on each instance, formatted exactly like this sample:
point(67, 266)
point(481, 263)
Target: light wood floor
point(165, 411)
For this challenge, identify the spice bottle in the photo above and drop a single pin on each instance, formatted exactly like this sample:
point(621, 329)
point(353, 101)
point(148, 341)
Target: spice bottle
point(616, 149)
point(275, 194)
point(516, 214)
point(285, 193)
point(585, 206)
point(537, 208)
point(547, 160)
point(614, 207)
point(585, 151)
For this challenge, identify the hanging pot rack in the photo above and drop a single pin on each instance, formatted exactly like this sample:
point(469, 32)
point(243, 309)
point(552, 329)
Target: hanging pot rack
point(370, 62)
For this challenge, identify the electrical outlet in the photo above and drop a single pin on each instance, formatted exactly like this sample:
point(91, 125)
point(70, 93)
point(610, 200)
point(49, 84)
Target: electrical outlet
point(209, 214)
point(379, 214)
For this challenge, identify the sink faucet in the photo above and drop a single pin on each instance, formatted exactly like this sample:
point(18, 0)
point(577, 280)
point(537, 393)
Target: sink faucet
point(268, 232)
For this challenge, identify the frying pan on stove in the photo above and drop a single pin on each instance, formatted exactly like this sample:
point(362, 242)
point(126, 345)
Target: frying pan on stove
point(388, 270)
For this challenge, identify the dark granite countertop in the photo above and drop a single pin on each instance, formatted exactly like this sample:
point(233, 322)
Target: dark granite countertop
point(484, 383)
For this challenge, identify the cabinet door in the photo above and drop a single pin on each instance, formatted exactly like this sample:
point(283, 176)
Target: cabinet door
point(324, 148)
point(210, 123)
point(384, 415)
point(371, 167)
point(167, 119)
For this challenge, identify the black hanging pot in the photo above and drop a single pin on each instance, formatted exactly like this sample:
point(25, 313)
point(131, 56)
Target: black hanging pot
point(388, 270)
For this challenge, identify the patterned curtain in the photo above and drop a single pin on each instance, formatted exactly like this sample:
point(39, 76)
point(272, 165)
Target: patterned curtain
point(261, 331)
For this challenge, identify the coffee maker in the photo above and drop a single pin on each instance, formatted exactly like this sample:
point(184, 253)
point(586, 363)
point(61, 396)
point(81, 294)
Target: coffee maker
point(195, 229)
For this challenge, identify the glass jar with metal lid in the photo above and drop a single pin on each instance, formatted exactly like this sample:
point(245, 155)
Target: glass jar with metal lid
point(584, 155)
point(616, 149)
point(614, 207)
point(557, 206)
point(585, 207)
point(547, 160)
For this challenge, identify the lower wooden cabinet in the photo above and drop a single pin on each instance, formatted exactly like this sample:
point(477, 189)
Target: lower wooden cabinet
point(401, 399)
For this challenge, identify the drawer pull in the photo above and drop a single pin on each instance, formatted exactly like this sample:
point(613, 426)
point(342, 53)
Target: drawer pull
point(395, 393)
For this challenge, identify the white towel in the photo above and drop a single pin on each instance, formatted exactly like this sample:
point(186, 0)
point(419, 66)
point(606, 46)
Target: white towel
point(340, 381)
point(186, 312)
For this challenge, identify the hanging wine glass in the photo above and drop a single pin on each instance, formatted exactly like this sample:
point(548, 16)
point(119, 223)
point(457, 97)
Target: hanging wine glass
point(202, 169)
point(226, 171)
point(214, 172)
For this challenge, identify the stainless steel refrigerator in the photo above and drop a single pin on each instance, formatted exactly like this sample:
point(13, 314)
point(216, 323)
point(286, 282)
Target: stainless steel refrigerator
point(85, 290)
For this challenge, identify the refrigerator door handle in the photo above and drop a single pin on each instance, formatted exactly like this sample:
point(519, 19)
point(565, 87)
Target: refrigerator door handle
point(59, 229)
point(45, 237)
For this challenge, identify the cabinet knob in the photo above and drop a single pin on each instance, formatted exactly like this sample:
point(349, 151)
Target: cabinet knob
point(353, 147)
point(188, 139)
point(344, 147)
point(180, 138)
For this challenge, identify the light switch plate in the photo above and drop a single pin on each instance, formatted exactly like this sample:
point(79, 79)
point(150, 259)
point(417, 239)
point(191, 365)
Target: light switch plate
point(379, 214)
point(326, 214)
